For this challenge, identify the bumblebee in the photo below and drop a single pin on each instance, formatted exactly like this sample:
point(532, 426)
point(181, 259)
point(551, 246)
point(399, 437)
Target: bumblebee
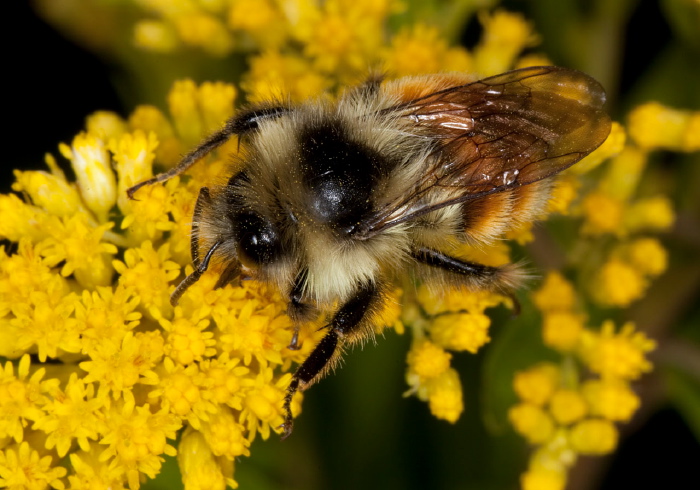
point(334, 201)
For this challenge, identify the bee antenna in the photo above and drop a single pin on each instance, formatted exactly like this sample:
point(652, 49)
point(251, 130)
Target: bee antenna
point(194, 277)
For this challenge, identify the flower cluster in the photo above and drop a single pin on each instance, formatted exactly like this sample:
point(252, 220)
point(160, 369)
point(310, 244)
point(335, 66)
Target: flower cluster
point(103, 373)
point(571, 408)
point(87, 288)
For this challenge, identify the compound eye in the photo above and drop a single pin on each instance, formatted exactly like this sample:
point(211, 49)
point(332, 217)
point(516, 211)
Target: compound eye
point(258, 240)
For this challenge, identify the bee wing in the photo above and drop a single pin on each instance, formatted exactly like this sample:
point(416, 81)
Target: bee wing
point(498, 133)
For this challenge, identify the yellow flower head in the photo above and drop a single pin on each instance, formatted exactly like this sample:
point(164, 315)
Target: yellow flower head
point(618, 284)
point(427, 360)
point(567, 406)
point(445, 396)
point(653, 126)
point(562, 330)
point(556, 293)
point(617, 354)
point(532, 422)
point(611, 398)
point(594, 436)
point(537, 384)
point(23, 467)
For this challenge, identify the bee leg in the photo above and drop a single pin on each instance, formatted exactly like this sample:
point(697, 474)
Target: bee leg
point(345, 322)
point(471, 274)
point(448, 263)
point(297, 309)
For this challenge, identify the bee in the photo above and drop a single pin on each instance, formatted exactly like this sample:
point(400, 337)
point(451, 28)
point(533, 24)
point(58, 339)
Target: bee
point(334, 201)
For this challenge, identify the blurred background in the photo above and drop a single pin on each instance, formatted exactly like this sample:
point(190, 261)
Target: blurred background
point(356, 430)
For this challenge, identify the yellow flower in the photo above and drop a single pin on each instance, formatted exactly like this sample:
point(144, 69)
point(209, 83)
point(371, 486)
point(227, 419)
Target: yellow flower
point(49, 191)
point(21, 221)
point(21, 398)
point(105, 125)
point(461, 331)
point(611, 398)
point(105, 315)
point(506, 34)
point(155, 35)
point(224, 379)
point(647, 255)
point(452, 300)
point(204, 31)
point(120, 363)
point(277, 76)
point(148, 272)
point(617, 355)
point(603, 214)
point(262, 405)
point(427, 360)
point(38, 324)
point(594, 436)
point(563, 194)
point(556, 293)
point(421, 50)
point(543, 479)
point(562, 330)
point(92, 165)
point(26, 272)
point(22, 467)
point(225, 435)
point(257, 327)
point(567, 406)
point(72, 413)
point(650, 214)
point(445, 396)
point(136, 438)
point(182, 390)
point(198, 465)
point(186, 341)
point(532, 422)
point(623, 173)
point(149, 119)
point(654, 126)
point(91, 473)
point(618, 284)
point(537, 384)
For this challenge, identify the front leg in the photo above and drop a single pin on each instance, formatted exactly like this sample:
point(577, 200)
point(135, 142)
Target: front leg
point(346, 324)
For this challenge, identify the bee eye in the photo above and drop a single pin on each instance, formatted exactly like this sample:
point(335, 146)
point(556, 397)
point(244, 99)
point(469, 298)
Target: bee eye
point(258, 241)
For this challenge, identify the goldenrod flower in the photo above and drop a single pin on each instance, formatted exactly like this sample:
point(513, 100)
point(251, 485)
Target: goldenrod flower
point(556, 293)
point(594, 436)
point(22, 396)
point(611, 398)
point(444, 393)
point(567, 406)
point(427, 360)
point(543, 479)
point(617, 354)
point(562, 330)
point(653, 125)
point(537, 384)
point(22, 467)
point(532, 422)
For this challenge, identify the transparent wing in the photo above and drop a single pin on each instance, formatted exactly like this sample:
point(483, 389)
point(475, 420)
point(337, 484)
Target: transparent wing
point(498, 133)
